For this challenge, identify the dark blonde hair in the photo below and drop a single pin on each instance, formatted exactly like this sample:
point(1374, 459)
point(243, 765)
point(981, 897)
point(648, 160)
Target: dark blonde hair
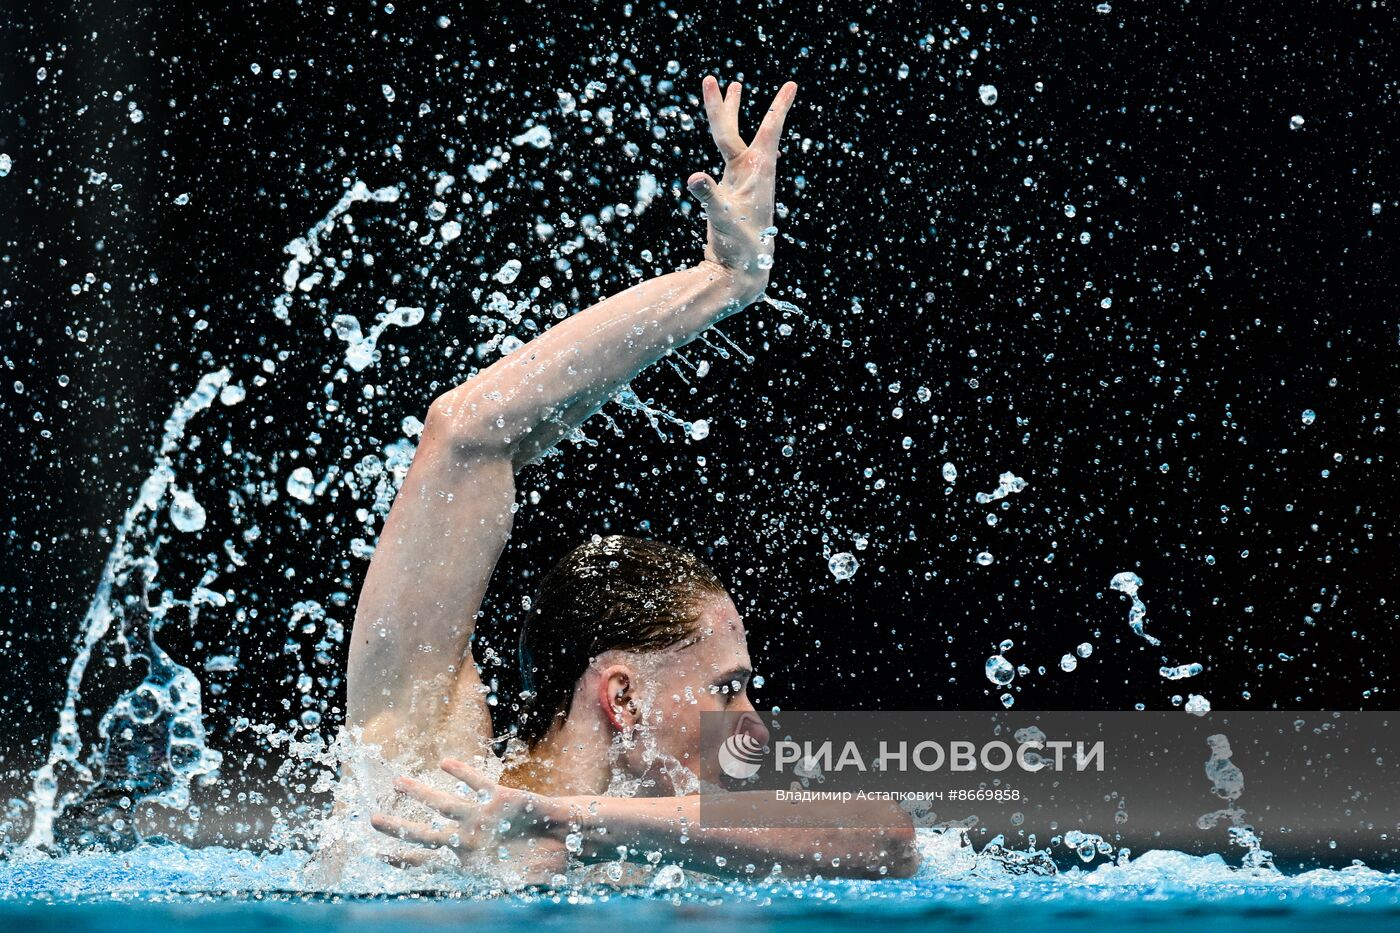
point(611, 594)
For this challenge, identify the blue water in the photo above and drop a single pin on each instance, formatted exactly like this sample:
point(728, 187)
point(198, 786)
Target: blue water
point(224, 891)
point(928, 909)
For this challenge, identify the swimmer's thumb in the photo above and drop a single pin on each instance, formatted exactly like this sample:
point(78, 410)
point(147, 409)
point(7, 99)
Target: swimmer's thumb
point(702, 186)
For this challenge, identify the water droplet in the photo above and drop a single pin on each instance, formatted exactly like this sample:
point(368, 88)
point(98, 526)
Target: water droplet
point(1068, 663)
point(389, 94)
point(1180, 671)
point(999, 670)
point(987, 93)
point(1128, 583)
point(1309, 416)
point(537, 136)
point(1070, 210)
point(843, 566)
point(985, 559)
point(186, 514)
point(1084, 650)
point(1295, 122)
point(301, 484)
point(1007, 483)
point(950, 473)
point(699, 430)
point(6, 163)
point(508, 272)
point(450, 231)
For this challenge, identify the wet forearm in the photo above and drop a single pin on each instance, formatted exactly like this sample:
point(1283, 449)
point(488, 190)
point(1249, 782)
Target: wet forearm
point(672, 826)
point(529, 400)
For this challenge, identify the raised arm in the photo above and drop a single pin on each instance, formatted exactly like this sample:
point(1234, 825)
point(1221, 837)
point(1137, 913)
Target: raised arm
point(530, 399)
point(413, 687)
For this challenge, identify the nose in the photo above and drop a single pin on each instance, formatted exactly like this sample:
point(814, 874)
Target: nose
point(750, 724)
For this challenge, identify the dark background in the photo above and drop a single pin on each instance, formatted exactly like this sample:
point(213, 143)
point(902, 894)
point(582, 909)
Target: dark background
point(1250, 278)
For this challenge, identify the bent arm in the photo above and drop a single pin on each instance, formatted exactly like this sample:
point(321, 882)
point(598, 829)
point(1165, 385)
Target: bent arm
point(525, 403)
point(413, 686)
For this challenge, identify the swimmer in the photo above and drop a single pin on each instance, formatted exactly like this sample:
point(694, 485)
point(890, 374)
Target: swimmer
point(628, 641)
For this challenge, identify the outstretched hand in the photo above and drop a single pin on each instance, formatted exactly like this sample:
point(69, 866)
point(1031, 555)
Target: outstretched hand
point(489, 815)
point(739, 209)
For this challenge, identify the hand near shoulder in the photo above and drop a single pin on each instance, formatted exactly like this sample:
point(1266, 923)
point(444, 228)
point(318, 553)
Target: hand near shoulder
point(490, 818)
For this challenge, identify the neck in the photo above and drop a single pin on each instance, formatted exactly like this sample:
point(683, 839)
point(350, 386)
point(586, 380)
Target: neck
point(571, 760)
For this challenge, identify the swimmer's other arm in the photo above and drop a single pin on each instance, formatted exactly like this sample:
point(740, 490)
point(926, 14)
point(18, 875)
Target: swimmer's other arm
point(877, 840)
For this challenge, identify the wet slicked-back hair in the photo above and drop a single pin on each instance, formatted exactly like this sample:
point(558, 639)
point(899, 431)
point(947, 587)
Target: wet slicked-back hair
point(610, 594)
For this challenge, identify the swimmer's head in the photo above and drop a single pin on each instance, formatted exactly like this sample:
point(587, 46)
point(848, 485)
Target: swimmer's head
point(639, 637)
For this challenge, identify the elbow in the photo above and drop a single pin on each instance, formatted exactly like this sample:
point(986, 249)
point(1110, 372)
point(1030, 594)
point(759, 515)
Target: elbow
point(471, 423)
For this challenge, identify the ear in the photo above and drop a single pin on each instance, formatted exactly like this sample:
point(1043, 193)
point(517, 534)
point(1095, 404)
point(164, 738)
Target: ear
point(616, 696)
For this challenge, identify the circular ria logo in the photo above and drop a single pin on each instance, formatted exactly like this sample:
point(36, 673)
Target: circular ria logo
point(740, 756)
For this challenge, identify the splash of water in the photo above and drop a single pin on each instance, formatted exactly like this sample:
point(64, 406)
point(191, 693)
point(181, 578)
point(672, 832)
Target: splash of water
point(305, 250)
point(1181, 671)
point(1127, 583)
point(168, 685)
point(360, 347)
point(1227, 783)
point(151, 742)
point(628, 399)
point(1007, 483)
point(788, 308)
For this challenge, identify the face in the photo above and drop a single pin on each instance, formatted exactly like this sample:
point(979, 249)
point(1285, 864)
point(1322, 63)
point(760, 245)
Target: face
point(674, 687)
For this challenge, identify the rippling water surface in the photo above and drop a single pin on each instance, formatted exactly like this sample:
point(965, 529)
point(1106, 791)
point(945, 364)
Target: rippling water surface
point(155, 887)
